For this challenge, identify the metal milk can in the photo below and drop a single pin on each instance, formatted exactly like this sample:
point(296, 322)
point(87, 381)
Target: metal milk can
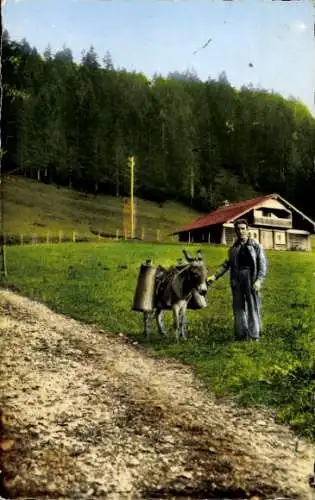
point(144, 294)
point(197, 301)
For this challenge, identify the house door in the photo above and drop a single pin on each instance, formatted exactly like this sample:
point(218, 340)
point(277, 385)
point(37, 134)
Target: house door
point(280, 240)
point(266, 238)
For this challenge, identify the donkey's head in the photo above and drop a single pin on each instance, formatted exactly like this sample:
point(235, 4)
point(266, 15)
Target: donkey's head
point(198, 272)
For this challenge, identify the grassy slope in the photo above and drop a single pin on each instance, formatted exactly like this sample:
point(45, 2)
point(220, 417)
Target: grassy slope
point(81, 280)
point(34, 208)
point(88, 282)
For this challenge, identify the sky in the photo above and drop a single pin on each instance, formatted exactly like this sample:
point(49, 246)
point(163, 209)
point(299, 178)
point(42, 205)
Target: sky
point(264, 42)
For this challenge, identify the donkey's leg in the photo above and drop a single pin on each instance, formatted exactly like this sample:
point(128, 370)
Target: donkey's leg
point(176, 313)
point(147, 315)
point(182, 323)
point(160, 321)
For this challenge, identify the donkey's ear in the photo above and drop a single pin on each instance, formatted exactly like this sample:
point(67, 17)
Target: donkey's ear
point(188, 256)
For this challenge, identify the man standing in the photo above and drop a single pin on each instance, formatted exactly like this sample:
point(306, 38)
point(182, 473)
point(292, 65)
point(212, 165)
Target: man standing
point(248, 268)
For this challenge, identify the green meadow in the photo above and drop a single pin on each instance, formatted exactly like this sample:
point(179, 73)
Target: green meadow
point(95, 283)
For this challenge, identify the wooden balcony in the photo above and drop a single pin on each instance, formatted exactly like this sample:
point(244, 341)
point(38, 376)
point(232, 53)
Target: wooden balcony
point(273, 222)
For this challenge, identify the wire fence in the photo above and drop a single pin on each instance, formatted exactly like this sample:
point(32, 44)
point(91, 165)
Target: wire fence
point(77, 237)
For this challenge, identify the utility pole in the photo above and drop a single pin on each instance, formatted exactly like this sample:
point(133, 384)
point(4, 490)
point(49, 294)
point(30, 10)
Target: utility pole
point(132, 168)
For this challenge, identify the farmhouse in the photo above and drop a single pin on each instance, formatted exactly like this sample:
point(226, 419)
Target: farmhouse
point(272, 220)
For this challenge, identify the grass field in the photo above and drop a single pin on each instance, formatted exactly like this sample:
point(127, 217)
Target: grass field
point(32, 208)
point(96, 282)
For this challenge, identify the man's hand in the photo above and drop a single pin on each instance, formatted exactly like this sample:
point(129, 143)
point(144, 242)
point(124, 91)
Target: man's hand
point(257, 286)
point(211, 279)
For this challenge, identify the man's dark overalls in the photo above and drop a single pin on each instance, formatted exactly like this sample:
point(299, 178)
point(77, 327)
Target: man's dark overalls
point(246, 301)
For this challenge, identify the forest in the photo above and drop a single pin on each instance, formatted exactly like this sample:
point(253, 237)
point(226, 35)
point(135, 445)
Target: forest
point(198, 142)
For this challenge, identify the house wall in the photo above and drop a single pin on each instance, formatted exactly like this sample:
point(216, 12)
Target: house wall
point(298, 241)
point(230, 235)
point(277, 209)
point(272, 204)
point(269, 238)
point(281, 238)
point(273, 217)
point(273, 238)
point(210, 234)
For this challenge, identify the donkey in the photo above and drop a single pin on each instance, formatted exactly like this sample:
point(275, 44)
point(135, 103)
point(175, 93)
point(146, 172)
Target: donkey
point(174, 289)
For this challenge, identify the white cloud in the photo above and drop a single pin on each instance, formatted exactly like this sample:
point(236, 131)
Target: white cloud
point(298, 26)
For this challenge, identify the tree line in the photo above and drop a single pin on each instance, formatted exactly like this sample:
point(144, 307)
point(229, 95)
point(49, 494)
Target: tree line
point(199, 142)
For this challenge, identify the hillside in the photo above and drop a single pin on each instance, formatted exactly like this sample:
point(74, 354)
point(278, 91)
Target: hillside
point(205, 141)
point(33, 208)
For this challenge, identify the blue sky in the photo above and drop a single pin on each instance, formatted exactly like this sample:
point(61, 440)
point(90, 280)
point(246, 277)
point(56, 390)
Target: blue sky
point(161, 36)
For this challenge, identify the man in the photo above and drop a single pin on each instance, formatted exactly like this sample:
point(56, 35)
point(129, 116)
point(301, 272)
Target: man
point(248, 268)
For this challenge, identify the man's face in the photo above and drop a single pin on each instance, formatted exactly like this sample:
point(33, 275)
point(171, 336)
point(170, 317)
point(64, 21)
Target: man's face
point(242, 232)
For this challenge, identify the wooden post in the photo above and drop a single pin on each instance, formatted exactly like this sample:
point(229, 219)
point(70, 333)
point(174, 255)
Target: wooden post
point(60, 236)
point(117, 234)
point(47, 237)
point(209, 237)
point(73, 237)
point(158, 235)
point(223, 236)
point(189, 237)
point(4, 262)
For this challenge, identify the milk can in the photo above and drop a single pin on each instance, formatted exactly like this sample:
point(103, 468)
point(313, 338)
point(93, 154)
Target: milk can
point(144, 294)
point(197, 301)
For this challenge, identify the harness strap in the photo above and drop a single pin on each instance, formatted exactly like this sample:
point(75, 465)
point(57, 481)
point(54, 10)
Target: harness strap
point(172, 280)
point(166, 282)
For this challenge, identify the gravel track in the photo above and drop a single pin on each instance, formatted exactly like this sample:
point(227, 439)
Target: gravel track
point(92, 416)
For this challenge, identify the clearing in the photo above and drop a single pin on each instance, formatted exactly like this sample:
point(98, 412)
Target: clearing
point(92, 415)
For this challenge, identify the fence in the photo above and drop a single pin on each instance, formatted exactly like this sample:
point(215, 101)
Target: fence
point(92, 236)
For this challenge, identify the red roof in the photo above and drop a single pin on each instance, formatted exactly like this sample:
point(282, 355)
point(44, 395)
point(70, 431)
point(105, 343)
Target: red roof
point(225, 214)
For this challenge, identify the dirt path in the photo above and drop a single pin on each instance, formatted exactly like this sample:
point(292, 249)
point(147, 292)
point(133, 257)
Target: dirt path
point(93, 416)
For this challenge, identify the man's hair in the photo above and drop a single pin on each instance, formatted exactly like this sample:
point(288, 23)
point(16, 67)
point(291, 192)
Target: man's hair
point(240, 221)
